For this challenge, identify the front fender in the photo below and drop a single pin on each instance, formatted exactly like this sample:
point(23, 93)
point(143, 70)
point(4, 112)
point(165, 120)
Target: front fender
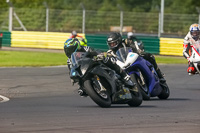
point(134, 72)
point(98, 70)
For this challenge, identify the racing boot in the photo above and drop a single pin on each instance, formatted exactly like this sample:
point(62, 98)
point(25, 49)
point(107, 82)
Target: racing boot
point(160, 75)
point(191, 69)
point(127, 79)
point(124, 93)
point(81, 92)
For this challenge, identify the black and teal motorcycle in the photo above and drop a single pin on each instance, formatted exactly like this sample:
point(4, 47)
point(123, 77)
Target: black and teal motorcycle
point(101, 83)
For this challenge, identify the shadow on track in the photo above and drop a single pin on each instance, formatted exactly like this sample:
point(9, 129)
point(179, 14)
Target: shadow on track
point(119, 106)
point(170, 99)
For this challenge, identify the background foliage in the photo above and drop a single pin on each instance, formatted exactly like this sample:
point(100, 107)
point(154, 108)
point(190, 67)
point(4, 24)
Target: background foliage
point(66, 15)
point(171, 6)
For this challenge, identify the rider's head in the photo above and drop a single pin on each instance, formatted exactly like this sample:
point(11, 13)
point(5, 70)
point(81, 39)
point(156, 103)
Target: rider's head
point(114, 41)
point(195, 31)
point(130, 35)
point(71, 45)
point(74, 34)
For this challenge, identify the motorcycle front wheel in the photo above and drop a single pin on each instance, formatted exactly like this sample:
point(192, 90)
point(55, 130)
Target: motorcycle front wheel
point(142, 87)
point(97, 93)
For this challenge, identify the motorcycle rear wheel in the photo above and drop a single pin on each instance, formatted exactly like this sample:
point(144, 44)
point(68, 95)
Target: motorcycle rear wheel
point(103, 100)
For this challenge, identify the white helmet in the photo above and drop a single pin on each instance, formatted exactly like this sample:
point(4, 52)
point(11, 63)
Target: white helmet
point(130, 34)
point(74, 33)
point(195, 31)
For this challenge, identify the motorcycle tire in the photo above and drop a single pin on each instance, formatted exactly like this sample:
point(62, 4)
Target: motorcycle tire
point(136, 98)
point(165, 92)
point(143, 88)
point(104, 102)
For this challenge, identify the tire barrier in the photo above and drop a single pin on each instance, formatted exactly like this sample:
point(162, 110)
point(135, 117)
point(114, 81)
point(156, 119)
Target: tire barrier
point(55, 40)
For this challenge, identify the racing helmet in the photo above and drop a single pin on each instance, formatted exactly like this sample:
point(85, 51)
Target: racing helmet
point(195, 31)
point(74, 33)
point(129, 35)
point(114, 41)
point(71, 45)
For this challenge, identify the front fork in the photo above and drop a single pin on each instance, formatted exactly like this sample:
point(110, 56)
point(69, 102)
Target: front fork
point(99, 83)
point(142, 78)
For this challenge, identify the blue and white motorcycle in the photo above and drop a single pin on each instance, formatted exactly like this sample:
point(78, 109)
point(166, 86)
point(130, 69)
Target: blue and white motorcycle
point(143, 72)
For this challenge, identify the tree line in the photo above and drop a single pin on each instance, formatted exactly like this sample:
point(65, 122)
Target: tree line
point(171, 6)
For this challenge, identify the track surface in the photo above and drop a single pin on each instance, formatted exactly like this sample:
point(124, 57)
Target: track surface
point(43, 100)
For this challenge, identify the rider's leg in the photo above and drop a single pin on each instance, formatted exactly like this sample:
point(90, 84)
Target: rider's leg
point(81, 91)
point(152, 60)
point(111, 62)
point(69, 65)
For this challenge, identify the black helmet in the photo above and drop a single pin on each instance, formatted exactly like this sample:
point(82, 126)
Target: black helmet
point(114, 41)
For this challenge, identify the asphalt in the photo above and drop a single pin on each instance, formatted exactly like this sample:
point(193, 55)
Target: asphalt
point(43, 100)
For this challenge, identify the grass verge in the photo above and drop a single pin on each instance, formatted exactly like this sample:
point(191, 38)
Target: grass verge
point(37, 59)
point(170, 59)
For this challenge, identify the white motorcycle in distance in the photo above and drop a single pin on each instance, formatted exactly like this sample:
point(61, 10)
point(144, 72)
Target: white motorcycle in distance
point(195, 58)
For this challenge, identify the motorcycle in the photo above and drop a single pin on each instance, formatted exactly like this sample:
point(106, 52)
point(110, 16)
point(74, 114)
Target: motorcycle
point(101, 83)
point(195, 58)
point(143, 72)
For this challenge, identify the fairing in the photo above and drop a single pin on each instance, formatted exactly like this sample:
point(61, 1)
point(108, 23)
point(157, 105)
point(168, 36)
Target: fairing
point(125, 56)
point(80, 62)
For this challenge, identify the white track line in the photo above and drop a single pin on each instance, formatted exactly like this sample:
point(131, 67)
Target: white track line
point(3, 99)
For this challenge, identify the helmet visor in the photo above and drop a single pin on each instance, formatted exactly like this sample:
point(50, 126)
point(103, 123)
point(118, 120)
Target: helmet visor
point(69, 50)
point(72, 46)
point(195, 33)
point(112, 44)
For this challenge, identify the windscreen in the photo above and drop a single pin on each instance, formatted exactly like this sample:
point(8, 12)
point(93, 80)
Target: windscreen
point(76, 57)
point(122, 53)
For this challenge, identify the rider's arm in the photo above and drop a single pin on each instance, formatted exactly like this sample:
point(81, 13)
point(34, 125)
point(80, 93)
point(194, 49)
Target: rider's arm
point(79, 36)
point(130, 43)
point(135, 47)
point(91, 51)
point(133, 38)
point(186, 47)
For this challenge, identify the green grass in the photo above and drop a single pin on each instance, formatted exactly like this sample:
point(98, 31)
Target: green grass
point(37, 59)
point(170, 59)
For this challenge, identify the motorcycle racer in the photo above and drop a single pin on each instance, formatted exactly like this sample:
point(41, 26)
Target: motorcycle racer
point(132, 39)
point(115, 41)
point(83, 41)
point(191, 39)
